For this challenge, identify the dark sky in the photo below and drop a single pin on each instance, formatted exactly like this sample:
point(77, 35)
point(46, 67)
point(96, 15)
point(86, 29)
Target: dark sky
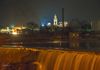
point(22, 11)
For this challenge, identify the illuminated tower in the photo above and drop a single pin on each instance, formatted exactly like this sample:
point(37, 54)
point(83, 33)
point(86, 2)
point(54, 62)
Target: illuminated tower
point(55, 20)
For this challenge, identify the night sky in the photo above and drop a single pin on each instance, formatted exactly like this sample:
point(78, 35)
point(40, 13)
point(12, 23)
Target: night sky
point(22, 11)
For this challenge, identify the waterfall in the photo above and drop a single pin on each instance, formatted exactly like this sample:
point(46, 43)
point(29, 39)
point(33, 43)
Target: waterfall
point(68, 60)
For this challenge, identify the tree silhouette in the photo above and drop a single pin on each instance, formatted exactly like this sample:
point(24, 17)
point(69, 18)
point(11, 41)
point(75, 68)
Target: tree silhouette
point(32, 25)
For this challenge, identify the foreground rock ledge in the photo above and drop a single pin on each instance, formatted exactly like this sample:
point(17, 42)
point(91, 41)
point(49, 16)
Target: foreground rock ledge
point(17, 55)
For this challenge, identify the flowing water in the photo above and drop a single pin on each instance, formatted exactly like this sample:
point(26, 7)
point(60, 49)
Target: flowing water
point(49, 59)
point(68, 60)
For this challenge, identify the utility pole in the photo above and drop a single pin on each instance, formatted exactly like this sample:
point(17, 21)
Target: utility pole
point(62, 37)
point(63, 17)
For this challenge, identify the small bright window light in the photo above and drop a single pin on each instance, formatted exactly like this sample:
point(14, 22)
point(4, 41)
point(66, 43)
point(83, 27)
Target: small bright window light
point(43, 25)
point(49, 24)
point(66, 23)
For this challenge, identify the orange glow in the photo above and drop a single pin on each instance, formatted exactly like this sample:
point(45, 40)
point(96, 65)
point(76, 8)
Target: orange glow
point(51, 59)
point(57, 60)
point(14, 33)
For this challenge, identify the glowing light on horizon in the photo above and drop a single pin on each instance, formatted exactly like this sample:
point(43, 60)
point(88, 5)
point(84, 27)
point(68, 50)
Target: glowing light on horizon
point(14, 33)
point(49, 24)
point(55, 20)
point(42, 25)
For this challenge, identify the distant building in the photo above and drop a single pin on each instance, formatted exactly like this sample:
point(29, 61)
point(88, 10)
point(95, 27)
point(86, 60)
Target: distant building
point(55, 20)
point(14, 30)
point(95, 25)
point(57, 23)
point(65, 24)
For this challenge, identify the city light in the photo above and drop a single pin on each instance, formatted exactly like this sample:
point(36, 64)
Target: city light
point(42, 25)
point(49, 24)
point(49, 35)
point(14, 33)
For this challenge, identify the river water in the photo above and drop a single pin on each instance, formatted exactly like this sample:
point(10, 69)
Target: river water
point(68, 60)
point(64, 56)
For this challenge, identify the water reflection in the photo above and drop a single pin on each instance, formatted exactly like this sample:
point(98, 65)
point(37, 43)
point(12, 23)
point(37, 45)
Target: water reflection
point(82, 45)
point(53, 55)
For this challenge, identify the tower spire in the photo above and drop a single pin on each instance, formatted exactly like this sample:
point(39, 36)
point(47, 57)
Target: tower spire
point(55, 20)
point(63, 17)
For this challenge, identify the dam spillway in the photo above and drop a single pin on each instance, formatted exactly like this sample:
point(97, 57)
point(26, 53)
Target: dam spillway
point(68, 60)
point(47, 59)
